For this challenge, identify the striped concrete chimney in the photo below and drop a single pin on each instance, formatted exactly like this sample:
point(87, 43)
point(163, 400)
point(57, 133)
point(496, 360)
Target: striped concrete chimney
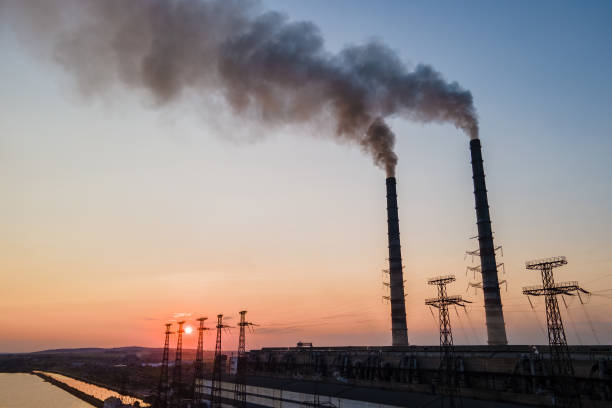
point(496, 329)
point(399, 331)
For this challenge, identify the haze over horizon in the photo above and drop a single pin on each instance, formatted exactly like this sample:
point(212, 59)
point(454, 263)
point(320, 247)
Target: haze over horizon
point(120, 215)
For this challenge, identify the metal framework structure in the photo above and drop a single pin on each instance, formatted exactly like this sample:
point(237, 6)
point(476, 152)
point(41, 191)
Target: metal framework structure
point(562, 367)
point(177, 373)
point(448, 364)
point(199, 394)
point(217, 366)
point(478, 268)
point(162, 389)
point(241, 363)
point(387, 286)
point(478, 285)
point(476, 252)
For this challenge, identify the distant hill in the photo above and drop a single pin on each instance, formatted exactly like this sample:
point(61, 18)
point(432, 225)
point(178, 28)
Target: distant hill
point(113, 350)
point(129, 353)
point(90, 350)
point(92, 362)
point(70, 350)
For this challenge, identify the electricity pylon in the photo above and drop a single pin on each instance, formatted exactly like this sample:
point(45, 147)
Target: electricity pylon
point(217, 366)
point(561, 362)
point(478, 285)
point(198, 378)
point(162, 389)
point(241, 363)
point(177, 374)
point(448, 363)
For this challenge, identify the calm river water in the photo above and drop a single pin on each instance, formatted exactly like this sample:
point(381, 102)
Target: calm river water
point(30, 391)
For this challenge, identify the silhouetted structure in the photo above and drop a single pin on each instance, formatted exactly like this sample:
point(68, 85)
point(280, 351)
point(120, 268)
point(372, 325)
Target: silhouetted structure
point(241, 363)
point(496, 329)
point(177, 374)
point(162, 389)
point(399, 330)
point(448, 364)
point(199, 394)
point(561, 362)
point(217, 366)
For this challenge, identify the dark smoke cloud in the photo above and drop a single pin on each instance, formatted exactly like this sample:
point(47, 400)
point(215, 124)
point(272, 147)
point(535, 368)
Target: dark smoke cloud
point(379, 142)
point(261, 63)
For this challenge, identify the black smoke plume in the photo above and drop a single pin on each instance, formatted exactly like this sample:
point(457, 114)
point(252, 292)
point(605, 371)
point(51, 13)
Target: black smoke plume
point(261, 63)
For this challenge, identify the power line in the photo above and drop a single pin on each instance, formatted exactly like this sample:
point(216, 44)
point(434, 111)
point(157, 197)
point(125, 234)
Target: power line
point(572, 321)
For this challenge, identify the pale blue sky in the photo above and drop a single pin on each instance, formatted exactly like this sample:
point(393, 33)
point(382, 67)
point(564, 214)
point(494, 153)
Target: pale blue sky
point(108, 202)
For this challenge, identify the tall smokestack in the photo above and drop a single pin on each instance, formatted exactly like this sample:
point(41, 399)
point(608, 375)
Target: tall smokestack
point(399, 330)
point(496, 329)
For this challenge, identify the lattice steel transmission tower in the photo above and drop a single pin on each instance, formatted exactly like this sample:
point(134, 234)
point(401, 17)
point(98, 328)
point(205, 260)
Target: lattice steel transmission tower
point(217, 366)
point(561, 362)
point(162, 389)
point(199, 394)
point(177, 374)
point(448, 364)
point(478, 285)
point(241, 363)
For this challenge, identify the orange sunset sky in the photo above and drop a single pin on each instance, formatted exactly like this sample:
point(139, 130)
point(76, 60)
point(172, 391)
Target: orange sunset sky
point(119, 215)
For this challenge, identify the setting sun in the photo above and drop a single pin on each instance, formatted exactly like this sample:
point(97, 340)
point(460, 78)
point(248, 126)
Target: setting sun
point(188, 329)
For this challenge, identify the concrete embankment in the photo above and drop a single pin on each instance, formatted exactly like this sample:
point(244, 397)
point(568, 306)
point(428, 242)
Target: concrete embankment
point(77, 393)
point(134, 394)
